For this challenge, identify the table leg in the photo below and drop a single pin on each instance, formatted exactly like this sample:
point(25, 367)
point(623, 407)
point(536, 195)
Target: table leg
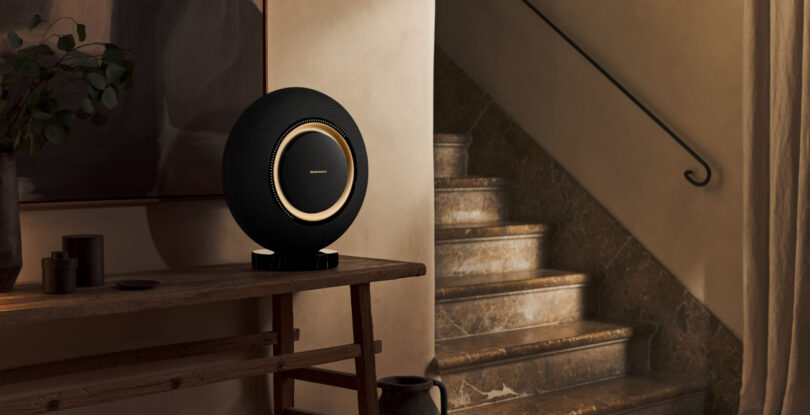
point(366, 371)
point(283, 384)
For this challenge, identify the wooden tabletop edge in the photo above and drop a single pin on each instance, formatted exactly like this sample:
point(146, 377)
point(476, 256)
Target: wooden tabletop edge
point(29, 305)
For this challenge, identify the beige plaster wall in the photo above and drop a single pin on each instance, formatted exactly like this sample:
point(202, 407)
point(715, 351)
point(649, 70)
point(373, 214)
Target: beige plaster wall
point(376, 58)
point(683, 58)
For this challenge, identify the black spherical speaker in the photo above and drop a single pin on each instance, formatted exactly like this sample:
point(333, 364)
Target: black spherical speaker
point(294, 172)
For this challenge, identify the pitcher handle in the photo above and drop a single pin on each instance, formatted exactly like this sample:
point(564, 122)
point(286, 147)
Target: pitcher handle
point(442, 394)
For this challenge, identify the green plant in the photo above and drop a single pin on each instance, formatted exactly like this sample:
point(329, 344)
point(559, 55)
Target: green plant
point(41, 92)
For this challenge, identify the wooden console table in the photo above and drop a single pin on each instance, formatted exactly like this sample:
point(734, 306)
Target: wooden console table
point(27, 304)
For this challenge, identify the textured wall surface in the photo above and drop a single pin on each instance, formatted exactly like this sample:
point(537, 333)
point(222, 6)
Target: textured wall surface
point(633, 285)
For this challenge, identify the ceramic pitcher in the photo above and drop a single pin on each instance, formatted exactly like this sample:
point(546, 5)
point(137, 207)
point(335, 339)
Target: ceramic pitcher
point(410, 395)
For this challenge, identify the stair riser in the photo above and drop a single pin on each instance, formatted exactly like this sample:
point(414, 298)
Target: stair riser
point(538, 374)
point(470, 205)
point(493, 313)
point(686, 405)
point(490, 255)
point(449, 160)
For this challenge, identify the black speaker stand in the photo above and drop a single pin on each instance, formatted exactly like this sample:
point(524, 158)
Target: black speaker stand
point(267, 260)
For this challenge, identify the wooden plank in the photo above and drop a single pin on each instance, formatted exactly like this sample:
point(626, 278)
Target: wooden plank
point(112, 203)
point(136, 357)
point(147, 385)
point(283, 383)
point(326, 377)
point(330, 377)
point(365, 369)
point(202, 285)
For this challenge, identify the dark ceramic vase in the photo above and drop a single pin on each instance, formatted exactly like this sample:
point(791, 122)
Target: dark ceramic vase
point(10, 246)
point(410, 395)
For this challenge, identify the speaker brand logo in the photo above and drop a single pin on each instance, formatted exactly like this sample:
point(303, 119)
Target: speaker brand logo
point(317, 172)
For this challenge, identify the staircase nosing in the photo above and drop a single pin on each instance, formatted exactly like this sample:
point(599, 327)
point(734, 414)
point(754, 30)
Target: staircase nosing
point(562, 281)
point(527, 235)
point(596, 337)
point(474, 182)
point(497, 360)
point(522, 352)
point(469, 189)
point(468, 231)
point(452, 138)
point(684, 389)
point(505, 293)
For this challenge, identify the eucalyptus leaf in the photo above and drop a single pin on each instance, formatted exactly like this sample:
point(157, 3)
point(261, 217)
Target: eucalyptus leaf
point(29, 67)
point(55, 133)
point(115, 73)
point(82, 59)
point(66, 43)
point(68, 68)
point(95, 94)
point(95, 79)
point(39, 90)
point(40, 115)
point(81, 30)
point(109, 98)
point(35, 21)
point(14, 41)
point(87, 106)
point(98, 119)
point(84, 64)
point(76, 53)
point(113, 55)
point(37, 85)
point(41, 49)
point(34, 98)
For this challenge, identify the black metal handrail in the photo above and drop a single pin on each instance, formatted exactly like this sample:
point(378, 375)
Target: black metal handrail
point(689, 174)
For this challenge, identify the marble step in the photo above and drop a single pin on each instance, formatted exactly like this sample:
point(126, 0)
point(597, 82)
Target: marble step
point(477, 304)
point(520, 363)
point(652, 393)
point(470, 199)
point(491, 247)
point(450, 154)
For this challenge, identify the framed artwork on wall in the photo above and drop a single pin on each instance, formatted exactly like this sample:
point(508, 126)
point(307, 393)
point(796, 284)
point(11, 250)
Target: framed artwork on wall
point(197, 66)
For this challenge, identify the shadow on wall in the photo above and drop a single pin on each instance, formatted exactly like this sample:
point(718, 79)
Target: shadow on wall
point(202, 235)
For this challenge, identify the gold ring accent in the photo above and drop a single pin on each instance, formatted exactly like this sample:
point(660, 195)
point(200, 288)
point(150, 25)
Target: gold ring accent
point(347, 152)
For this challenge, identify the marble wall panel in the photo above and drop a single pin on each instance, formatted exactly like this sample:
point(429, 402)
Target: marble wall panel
point(633, 285)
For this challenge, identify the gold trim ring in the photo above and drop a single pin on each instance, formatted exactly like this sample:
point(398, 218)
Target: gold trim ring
point(347, 153)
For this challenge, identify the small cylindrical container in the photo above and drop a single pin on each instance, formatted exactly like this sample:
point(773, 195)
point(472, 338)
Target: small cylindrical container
point(89, 251)
point(59, 273)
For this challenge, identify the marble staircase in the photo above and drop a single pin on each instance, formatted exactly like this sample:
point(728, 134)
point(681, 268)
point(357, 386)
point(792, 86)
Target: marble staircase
point(514, 337)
